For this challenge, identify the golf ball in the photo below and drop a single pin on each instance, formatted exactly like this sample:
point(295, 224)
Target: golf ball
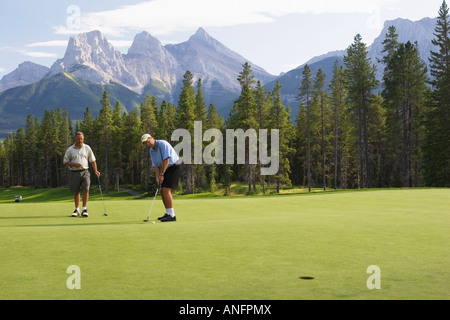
point(153, 222)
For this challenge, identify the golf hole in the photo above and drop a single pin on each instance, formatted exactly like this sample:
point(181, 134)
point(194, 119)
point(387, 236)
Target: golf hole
point(306, 278)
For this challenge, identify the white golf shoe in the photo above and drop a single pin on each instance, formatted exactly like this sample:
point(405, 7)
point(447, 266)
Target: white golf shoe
point(76, 213)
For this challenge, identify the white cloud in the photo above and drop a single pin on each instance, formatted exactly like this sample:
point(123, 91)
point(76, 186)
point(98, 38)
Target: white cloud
point(166, 16)
point(62, 44)
point(121, 43)
point(37, 54)
point(29, 53)
point(54, 43)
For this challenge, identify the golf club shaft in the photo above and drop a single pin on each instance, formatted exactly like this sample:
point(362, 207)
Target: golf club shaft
point(101, 193)
point(153, 203)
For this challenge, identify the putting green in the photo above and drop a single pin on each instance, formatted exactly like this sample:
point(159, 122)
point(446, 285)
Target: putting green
point(232, 248)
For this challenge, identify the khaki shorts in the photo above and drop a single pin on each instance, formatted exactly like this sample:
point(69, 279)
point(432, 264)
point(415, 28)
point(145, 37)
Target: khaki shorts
point(79, 181)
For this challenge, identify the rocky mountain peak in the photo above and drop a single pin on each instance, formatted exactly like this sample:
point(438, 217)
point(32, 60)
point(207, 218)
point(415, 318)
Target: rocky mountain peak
point(90, 48)
point(421, 31)
point(91, 57)
point(210, 60)
point(148, 60)
point(151, 68)
point(27, 73)
point(144, 45)
point(203, 37)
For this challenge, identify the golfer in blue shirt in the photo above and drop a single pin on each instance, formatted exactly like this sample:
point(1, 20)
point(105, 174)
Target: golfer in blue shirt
point(167, 171)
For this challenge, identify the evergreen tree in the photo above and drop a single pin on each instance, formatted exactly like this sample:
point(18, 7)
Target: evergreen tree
point(3, 165)
point(163, 122)
point(19, 157)
point(136, 161)
point(263, 106)
point(437, 140)
point(104, 129)
point(186, 104)
point(167, 121)
point(213, 121)
point(281, 121)
point(243, 113)
point(200, 115)
point(88, 129)
point(404, 92)
point(9, 151)
point(243, 116)
point(148, 115)
point(321, 99)
point(185, 117)
point(300, 158)
point(377, 140)
point(341, 128)
point(117, 136)
point(389, 93)
point(305, 96)
point(64, 132)
point(360, 82)
point(390, 46)
point(263, 109)
point(200, 106)
point(32, 155)
point(49, 135)
point(149, 124)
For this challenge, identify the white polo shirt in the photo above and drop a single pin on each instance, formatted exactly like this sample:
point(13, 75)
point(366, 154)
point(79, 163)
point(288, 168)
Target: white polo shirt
point(84, 155)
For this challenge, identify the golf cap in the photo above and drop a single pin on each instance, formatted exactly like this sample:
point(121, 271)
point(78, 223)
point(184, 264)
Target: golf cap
point(145, 137)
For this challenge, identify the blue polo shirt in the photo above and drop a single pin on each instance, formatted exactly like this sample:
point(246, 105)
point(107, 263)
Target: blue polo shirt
point(163, 151)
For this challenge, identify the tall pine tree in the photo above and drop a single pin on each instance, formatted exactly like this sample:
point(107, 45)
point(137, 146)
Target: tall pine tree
point(404, 93)
point(243, 116)
point(186, 116)
point(104, 129)
point(361, 81)
point(305, 96)
point(321, 100)
point(341, 128)
point(437, 141)
point(280, 120)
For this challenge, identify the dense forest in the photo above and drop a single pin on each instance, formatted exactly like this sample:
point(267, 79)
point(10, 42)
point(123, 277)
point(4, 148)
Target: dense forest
point(354, 133)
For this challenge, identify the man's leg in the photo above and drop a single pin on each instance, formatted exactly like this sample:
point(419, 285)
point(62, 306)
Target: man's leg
point(74, 188)
point(76, 199)
point(166, 194)
point(85, 198)
point(171, 179)
point(84, 213)
point(85, 185)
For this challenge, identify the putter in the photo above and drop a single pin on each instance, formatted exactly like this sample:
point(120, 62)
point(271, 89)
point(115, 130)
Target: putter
point(153, 203)
point(103, 200)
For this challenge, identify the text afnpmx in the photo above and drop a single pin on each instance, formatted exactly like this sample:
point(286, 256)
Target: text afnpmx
point(239, 309)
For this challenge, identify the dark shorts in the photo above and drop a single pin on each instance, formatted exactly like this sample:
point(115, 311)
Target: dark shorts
point(172, 177)
point(79, 181)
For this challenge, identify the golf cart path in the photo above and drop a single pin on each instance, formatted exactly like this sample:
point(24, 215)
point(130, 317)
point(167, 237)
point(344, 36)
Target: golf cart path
point(132, 192)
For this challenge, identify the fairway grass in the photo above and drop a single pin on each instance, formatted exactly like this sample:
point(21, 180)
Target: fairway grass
point(249, 248)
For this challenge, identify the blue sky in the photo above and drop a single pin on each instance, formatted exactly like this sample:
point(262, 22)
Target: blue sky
point(275, 35)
